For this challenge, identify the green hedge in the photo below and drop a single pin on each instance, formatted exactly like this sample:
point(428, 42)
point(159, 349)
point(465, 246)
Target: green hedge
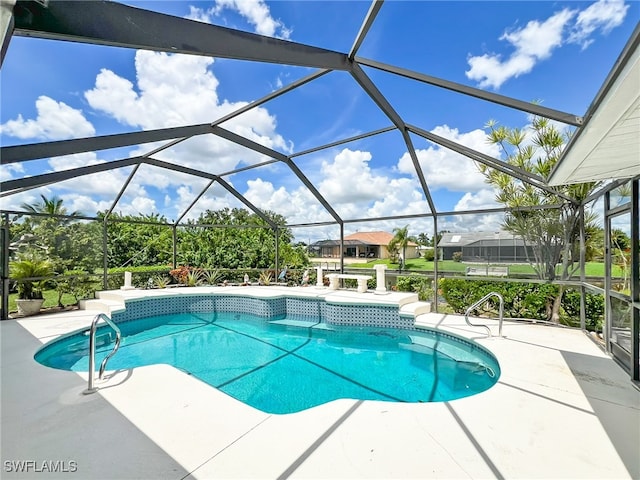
point(523, 300)
point(417, 284)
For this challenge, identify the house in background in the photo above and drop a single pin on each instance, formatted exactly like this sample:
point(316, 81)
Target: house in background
point(486, 247)
point(360, 245)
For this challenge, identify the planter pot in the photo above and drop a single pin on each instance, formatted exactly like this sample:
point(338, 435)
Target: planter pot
point(29, 307)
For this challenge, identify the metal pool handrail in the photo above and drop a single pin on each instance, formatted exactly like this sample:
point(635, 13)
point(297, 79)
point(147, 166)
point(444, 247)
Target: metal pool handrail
point(92, 350)
point(480, 302)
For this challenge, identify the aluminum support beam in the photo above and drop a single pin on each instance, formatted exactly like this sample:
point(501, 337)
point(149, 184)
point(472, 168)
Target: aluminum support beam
point(419, 172)
point(33, 151)
point(122, 190)
point(368, 86)
point(117, 25)
point(271, 96)
point(250, 144)
point(568, 118)
point(191, 205)
point(211, 176)
point(434, 286)
point(6, 26)
point(635, 279)
point(48, 178)
point(342, 142)
point(251, 206)
point(375, 7)
point(511, 170)
point(4, 268)
point(608, 284)
point(607, 188)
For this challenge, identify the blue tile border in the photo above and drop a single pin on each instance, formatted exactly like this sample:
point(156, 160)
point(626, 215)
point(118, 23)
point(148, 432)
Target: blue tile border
point(304, 309)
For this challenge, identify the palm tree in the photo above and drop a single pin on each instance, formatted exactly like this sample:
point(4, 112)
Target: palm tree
point(52, 206)
point(402, 239)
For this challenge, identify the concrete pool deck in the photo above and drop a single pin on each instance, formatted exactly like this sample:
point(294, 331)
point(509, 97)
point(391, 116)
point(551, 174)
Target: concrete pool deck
point(561, 409)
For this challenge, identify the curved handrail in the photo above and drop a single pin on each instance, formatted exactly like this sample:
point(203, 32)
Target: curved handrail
point(92, 349)
point(480, 302)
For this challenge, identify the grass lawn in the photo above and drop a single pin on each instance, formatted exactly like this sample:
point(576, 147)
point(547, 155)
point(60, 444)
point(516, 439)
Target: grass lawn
point(592, 269)
point(50, 300)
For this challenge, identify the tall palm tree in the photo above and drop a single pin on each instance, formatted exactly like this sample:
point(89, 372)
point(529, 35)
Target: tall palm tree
point(402, 239)
point(52, 206)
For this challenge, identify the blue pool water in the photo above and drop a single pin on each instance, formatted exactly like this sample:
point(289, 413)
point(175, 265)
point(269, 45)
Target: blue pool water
point(285, 366)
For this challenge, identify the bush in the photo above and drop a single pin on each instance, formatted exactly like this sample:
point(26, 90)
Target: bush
point(457, 256)
point(523, 300)
point(429, 255)
point(594, 309)
point(417, 284)
point(77, 283)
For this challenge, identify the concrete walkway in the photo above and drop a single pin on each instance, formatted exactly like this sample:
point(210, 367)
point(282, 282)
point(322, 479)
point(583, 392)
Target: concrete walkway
point(561, 409)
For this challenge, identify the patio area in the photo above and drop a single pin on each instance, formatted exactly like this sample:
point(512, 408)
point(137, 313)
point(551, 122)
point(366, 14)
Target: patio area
point(561, 409)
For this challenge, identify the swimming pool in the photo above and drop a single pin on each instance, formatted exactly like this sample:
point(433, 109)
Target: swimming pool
point(285, 364)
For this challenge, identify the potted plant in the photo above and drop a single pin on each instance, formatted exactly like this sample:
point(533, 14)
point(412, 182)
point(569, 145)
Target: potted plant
point(24, 271)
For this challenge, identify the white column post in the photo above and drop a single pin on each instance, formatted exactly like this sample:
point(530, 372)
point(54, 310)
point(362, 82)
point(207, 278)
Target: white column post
point(381, 286)
point(319, 282)
point(127, 282)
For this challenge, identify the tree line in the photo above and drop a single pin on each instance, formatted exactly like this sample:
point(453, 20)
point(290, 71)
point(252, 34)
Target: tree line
point(233, 238)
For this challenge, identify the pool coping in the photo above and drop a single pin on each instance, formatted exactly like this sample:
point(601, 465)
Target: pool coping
point(567, 414)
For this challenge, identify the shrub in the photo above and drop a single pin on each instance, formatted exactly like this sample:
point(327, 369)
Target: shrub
point(417, 284)
point(77, 283)
point(265, 277)
point(209, 277)
point(30, 266)
point(594, 309)
point(180, 274)
point(523, 300)
point(457, 256)
point(160, 281)
point(429, 255)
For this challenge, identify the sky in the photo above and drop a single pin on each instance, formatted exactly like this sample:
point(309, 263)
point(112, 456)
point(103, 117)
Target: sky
point(554, 52)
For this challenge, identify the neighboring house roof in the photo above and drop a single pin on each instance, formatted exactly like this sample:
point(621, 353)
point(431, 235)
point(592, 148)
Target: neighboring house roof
point(361, 238)
point(336, 243)
point(468, 238)
point(374, 238)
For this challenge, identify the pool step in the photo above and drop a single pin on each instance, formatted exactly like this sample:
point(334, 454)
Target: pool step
point(414, 309)
point(112, 295)
point(102, 305)
point(302, 323)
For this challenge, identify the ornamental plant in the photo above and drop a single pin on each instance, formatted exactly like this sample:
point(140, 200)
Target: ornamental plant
point(181, 274)
point(26, 268)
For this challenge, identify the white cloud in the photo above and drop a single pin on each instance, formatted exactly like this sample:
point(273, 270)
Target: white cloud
point(604, 15)
point(9, 171)
point(482, 199)
point(55, 121)
point(174, 90)
point(537, 40)
point(485, 222)
point(255, 12)
point(297, 205)
point(348, 178)
point(169, 90)
point(105, 184)
point(532, 43)
point(444, 168)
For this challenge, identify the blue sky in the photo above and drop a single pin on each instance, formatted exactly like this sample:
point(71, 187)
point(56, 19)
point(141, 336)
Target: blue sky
point(555, 52)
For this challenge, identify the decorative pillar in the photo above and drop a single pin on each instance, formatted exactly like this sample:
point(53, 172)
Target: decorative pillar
point(319, 281)
point(381, 286)
point(127, 282)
